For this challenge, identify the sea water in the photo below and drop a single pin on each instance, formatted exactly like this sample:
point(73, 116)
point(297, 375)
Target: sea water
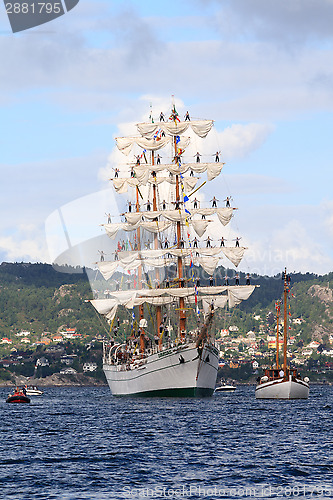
point(83, 443)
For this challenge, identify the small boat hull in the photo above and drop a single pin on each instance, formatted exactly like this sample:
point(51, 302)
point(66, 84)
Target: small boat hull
point(225, 388)
point(34, 392)
point(283, 389)
point(18, 398)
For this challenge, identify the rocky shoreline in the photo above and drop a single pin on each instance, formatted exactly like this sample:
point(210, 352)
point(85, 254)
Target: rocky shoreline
point(55, 380)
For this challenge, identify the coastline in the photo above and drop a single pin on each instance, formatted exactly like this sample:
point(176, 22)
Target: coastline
point(55, 380)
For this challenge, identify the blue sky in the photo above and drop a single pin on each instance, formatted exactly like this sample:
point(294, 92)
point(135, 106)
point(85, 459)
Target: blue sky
point(261, 69)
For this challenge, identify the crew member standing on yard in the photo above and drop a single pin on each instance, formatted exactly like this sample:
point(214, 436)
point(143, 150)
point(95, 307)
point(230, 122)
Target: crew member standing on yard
point(217, 156)
point(237, 279)
point(211, 281)
point(248, 279)
point(102, 254)
point(162, 117)
point(195, 203)
point(222, 241)
point(214, 202)
point(208, 242)
point(197, 156)
point(237, 241)
point(227, 201)
point(187, 116)
point(158, 160)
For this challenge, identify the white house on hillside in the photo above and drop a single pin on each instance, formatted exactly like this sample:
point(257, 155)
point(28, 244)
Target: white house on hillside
point(89, 367)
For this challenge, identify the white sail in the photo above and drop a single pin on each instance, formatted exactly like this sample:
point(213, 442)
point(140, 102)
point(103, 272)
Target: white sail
point(234, 254)
point(207, 258)
point(125, 144)
point(122, 184)
point(224, 214)
point(106, 307)
point(152, 227)
point(207, 263)
point(199, 226)
point(213, 169)
point(199, 127)
point(131, 298)
point(237, 294)
point(220, 301)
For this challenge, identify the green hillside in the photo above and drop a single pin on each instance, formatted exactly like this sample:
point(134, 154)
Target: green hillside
point(36, 297)
point(44, 301)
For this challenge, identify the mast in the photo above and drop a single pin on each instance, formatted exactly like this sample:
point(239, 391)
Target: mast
point(141, 314)
point(182, 316)
point(157, 274)
point(285, 324)
point(277, 333)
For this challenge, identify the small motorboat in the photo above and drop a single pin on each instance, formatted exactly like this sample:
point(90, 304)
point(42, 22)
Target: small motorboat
point(225, 388)
point(18, 397)
point(32, 390)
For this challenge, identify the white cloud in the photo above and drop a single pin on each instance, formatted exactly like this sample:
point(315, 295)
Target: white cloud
point(285, 22)
point(26, 245)
point(234, 80)
point(237, 141)
point(285, 236)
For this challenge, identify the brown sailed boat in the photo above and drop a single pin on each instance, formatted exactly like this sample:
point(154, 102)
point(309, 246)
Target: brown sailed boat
point(281, 381)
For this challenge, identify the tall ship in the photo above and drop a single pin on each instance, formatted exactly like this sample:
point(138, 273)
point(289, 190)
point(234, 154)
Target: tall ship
point(281, 381)
point(166, 247)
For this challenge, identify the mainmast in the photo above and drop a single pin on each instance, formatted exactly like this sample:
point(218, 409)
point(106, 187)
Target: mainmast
point(278, 309)
point(182, 316)
point(141, 313)
point(156, 245)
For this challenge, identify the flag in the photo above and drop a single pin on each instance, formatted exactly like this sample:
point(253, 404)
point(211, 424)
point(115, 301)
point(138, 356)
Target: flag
point(133, 319)
point(186, 198)
point(177, 139)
